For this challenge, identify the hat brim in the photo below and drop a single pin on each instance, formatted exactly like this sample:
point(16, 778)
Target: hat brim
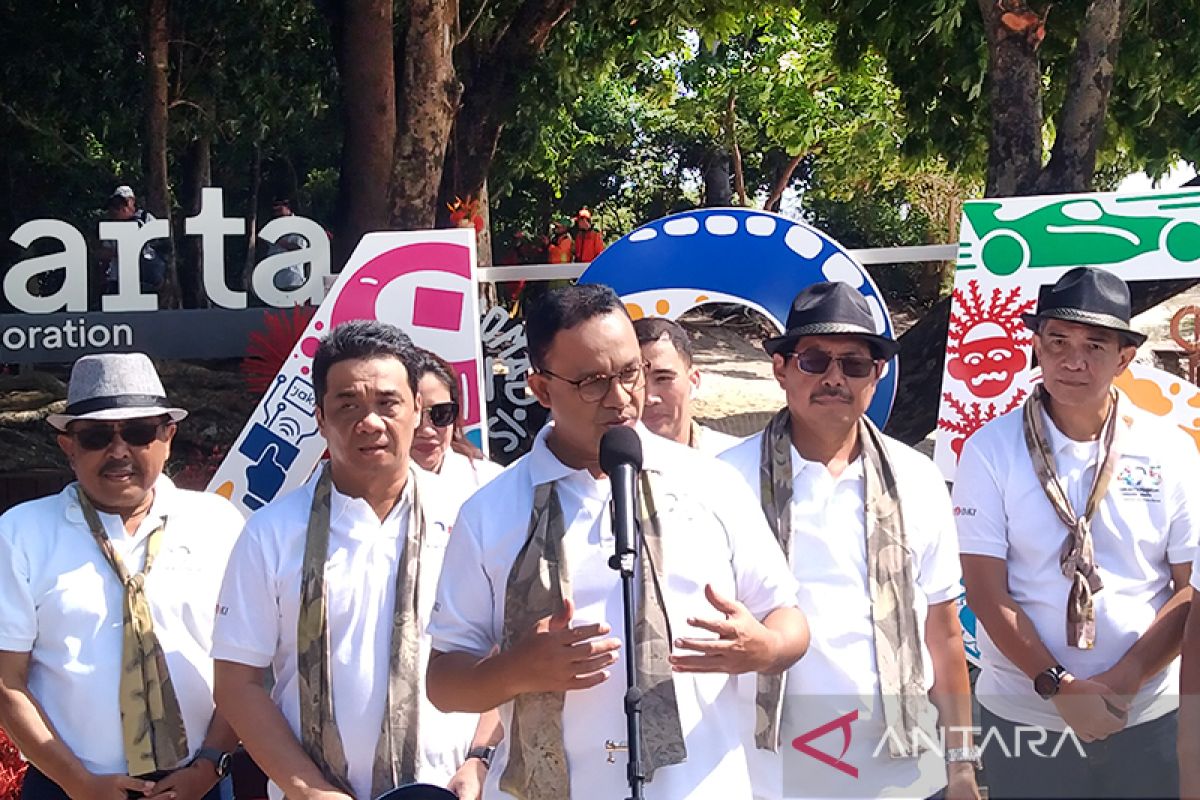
point(881, 346)
point(417, 791)
point(61, 421)
point(1089, 318)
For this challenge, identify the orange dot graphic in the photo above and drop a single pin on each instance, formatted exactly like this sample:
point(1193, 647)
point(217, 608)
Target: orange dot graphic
point(635, 311)
point(1175, 387)
point(662, 306)
point(226, 490)
point(701, 298)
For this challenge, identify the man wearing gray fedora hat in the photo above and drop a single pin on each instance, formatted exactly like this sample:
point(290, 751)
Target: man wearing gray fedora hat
point(866, 524)
point(107, 598)
point(1077, 529)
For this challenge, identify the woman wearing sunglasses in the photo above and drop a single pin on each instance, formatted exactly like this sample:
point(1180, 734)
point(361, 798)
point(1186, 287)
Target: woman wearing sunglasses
point(439, 444)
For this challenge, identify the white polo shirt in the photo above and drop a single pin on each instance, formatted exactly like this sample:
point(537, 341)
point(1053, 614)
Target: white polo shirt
point(712, 533)
point(462, 476)
point(838, 676)
point(714, 442)
point(61, 602)
point(1145, 523)
point(260, 606)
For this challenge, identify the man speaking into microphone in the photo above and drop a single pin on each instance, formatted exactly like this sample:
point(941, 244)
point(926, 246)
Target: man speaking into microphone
point(526, 574)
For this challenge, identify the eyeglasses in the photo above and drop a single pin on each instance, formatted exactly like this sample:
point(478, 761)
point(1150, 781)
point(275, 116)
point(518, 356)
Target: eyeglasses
point(442, 415)
point(134, 434)
point(593, 388)
point(815, 362)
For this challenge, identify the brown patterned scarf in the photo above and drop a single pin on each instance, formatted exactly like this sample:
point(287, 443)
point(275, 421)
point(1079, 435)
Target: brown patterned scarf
point(1078, 557)
point(396, 749)
point(890, 578)
point(151, 721)
point(537, 584)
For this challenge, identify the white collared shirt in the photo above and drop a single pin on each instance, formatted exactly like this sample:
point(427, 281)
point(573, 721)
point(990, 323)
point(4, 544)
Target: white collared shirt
point(713, 442)
point(838, 675)
point(260, 606)
point(61, 602)
point(1145, 523)
point(462, 476)
point(712, 533)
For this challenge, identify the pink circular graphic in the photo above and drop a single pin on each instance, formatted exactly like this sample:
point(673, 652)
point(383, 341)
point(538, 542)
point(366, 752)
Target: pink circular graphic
point(320, 326)
point(304, 370)
point(309, 346)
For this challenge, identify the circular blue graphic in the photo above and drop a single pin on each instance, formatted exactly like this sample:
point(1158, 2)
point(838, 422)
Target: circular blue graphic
point(735, 255)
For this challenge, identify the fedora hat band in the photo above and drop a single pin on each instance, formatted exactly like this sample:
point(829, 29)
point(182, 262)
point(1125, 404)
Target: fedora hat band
point(94, 404)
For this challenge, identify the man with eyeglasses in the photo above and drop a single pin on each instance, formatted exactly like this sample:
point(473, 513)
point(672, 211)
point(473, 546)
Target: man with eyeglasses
point(526, 573)
point(672, 380)
point(867, 526)
point(107, 598)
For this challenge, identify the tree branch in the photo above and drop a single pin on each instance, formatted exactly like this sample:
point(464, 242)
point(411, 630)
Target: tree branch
point(462, 37)
point(739, 178)
point(29, 124)
point(781, 185)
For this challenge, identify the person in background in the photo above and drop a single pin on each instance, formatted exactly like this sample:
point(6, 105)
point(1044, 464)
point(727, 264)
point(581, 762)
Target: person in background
point(589, 242)
point(672, 382)
point(562, 247)
point(439, 444)
point(108, 592)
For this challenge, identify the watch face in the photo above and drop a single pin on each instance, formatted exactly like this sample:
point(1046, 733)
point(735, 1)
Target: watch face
point(1046, 685)
point(224, 764)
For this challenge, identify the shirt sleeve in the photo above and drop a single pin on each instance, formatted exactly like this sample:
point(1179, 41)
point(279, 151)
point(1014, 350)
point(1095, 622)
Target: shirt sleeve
point(465, 606)
point(247, 616)
point(764, 580)
point(979, 505)
point(939, 571)
point(1183, 534)
point(18, 613)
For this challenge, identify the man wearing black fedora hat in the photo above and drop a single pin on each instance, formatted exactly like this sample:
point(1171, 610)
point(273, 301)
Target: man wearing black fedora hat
point(1077, 535)
point(844, 501)
point(107, 598)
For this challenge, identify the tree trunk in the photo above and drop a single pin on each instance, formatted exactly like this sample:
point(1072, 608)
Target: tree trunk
point(197, 175)
point(1080, 127)
point(717, 190)
point(157, 192)
point(425, 111)
point(491, 81)
point(1015, 141)
point(782, 179)
point(362, 42)
point(252, 220)
point(735, 152)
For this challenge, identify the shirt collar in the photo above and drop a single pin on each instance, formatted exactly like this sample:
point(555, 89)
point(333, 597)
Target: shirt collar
point(164, 489)
point(344, 507)
point(544, 466)
point(800, 465)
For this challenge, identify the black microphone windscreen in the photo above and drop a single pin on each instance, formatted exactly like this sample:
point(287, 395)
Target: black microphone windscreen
point(620, 446)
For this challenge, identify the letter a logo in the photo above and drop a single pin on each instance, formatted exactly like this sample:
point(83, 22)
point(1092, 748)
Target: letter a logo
point(801, 743)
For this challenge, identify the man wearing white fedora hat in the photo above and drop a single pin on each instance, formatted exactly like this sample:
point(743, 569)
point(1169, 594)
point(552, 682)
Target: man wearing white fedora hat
point(107, 598)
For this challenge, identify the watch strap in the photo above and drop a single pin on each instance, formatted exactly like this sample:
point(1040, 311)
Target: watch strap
point(219, 758)
point(484, 753)
point(964, 755)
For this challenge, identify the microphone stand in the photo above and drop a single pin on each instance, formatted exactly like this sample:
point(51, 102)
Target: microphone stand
point(624, 561)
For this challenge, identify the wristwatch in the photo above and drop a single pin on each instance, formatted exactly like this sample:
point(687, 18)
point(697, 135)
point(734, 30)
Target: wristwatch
point(965, 755)
point(219, 759)
point(1047, 682)
point(484, 753)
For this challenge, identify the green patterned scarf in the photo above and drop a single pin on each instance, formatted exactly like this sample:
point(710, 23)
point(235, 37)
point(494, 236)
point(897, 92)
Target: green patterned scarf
point(537, 584)
point(396, 749)
point(890, 577)
point(151, 721)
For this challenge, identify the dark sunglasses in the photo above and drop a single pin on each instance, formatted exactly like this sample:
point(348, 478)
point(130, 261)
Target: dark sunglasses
point(134, 434)
point(814, 362)
point(442, 415)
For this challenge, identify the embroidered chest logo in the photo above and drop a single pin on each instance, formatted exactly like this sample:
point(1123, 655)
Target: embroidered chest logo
point(1140, 480)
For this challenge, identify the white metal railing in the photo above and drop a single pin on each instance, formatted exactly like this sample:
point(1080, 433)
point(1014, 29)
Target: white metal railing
point(870, 255)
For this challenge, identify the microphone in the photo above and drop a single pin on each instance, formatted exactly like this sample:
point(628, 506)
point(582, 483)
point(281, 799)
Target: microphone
point(621, 460)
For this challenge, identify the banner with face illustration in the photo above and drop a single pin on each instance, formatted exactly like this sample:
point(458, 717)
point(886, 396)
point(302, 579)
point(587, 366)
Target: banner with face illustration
point(1010, 248)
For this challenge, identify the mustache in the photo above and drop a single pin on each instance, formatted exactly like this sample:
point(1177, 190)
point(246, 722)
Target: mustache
point(114, 464)
point(834, 392)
